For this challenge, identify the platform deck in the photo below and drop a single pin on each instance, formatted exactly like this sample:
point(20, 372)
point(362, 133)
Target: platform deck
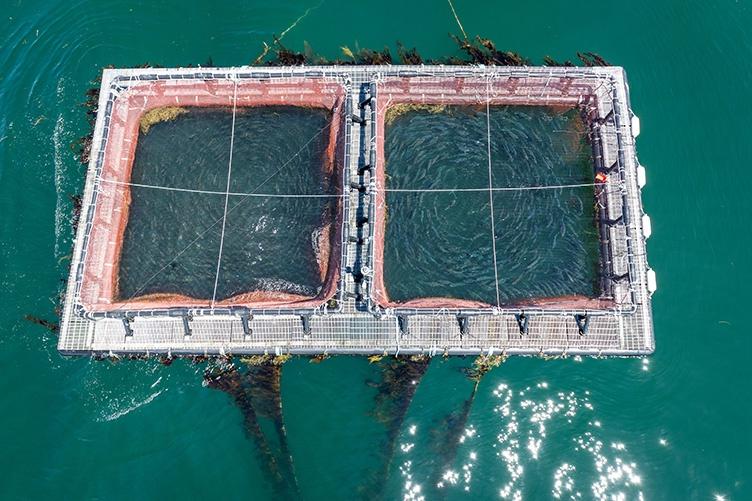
point(356, 326)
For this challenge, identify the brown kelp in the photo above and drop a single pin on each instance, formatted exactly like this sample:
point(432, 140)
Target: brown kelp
point(47, 324)
point(408, 56)
point(77, 202)
point(394, 392)
point(370, 57)
point(484, 51)
point(448, 433)
point(82, 146)
point(287, 57)
point(549, 61)
point(446, 437)
point(265, 392)
point(256, 392)
point(592, 59)
point(478, 50)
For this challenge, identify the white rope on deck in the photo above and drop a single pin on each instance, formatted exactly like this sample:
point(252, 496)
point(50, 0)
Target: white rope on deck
point(490, 187)
point(227, 192)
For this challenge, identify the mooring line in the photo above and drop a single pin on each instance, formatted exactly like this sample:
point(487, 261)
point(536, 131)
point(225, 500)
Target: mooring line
point(227, 190)
point(267, 47)
point(490, 187)
point(456, 18)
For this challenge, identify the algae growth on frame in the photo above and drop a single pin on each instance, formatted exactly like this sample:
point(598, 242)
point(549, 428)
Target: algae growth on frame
point(171, 242)
point(438, 244)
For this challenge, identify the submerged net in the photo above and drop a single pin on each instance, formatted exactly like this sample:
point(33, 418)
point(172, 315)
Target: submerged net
point(438, 243)
point(270, 244)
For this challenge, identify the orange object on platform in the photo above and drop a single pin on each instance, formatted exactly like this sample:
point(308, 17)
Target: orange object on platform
point(601, 178)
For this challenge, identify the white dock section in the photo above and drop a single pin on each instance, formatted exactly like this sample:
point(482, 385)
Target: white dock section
point(353, 327)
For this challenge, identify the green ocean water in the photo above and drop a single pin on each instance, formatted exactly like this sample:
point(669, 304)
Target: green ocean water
point(675, 426)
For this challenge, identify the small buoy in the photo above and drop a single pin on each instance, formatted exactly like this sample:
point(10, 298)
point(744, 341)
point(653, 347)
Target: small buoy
point(647, 228)
point(652, 283)
point(642, 179)
point(635, 126)
point(601, 177)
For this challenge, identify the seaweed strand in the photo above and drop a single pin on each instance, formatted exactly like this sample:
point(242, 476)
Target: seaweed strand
point(256, 393)
point(454, 424)
point(399, 381)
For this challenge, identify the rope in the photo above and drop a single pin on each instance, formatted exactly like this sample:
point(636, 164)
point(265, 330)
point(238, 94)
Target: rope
point(227, 192)
point(230, 193)
point(507, 188)
point(456, 18)
point(324, 195)
point(491, 189)
point(276, 41)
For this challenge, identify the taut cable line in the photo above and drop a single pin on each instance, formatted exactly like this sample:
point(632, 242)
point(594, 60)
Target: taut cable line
point(490, 187)
point(227, 190)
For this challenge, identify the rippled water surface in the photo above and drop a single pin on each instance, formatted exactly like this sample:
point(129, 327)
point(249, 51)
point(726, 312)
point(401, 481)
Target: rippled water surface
point(269, 244)
point(439, 244)
point(674, 426)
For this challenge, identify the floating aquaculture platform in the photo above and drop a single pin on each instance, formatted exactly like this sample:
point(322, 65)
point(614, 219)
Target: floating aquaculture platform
point(270, 210)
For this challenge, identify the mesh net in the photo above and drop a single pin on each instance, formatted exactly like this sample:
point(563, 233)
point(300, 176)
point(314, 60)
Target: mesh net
point(270, 244)
point(216, 191)
point(438, 243)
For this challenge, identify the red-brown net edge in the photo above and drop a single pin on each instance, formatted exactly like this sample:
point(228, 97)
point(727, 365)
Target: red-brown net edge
point(99, 280)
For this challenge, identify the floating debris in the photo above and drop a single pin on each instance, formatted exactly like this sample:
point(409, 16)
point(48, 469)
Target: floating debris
point(374, 359)
point(317, 359)
point(395, 110)
point(158, 115)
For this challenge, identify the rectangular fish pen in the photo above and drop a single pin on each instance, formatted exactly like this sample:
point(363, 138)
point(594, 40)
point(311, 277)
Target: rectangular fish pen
point(432, 210)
